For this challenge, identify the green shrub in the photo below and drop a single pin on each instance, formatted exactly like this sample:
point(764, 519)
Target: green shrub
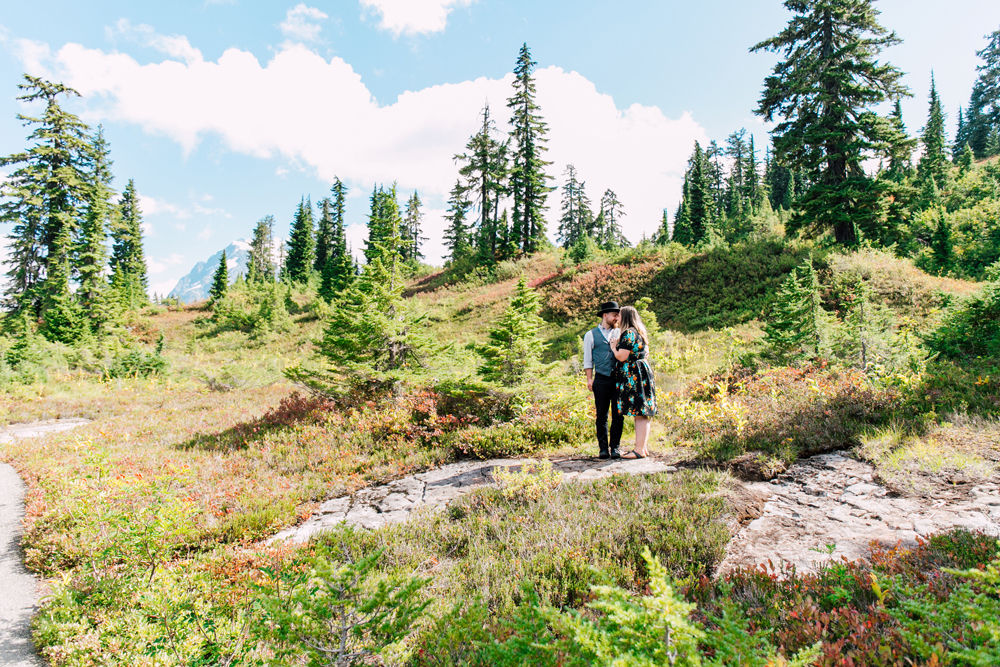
point(528, 435)
point(136, 364)
point(971, 328)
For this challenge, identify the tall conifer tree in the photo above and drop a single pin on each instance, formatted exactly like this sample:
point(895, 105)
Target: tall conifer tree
point(612, 212)
point(528, 181)
point(486, 170)
point(822, 93)
point(91, 249)
point(412, 231)
point(696, 205)
point(577, 218)
point(220, 280)
point(43, 199)
point(260, 265)
point(128, 260)
point(456, 235)
point(301, 244)
point(324, 234)
point(934, 161)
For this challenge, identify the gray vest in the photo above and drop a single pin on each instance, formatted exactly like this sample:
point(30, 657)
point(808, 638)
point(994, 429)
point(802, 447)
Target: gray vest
point(604, 360)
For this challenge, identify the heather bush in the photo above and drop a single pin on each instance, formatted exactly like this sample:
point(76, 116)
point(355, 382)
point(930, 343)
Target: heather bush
point(783, 412)
point(902, 607)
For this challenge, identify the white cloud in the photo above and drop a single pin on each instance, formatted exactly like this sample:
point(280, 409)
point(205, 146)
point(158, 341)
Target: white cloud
point(174, 46)
point(205, 234)
point(201, 210)
point(319, 114)
point(301, 23)
point(413, 17)
point(281, 172)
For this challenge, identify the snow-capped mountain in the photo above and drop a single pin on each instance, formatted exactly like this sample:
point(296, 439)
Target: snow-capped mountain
point(195, 285)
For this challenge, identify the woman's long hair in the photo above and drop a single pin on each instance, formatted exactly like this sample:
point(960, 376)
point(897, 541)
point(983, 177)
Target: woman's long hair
point(629, 319)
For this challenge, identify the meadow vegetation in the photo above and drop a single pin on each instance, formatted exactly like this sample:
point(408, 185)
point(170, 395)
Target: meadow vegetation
point(792, 312)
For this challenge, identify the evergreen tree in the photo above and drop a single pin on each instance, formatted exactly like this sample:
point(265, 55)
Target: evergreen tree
point(301, 244)
point(797, 324)
point(662, 235)
point(823, 90)
point(528, 180)
point(43, 198)
point(681, 232)
point(696, 204)
point(985, 101)
point(943, 246)
point(411, 232)
point(384, 222)
point(128, 261)
point(735, 194)
point(512, 345)
point(577, 219)
point(260, 266)
point(901, 146)
point(220, 280)
point(371, 337)
point(934, 162)
point(324, 235)
point(965, 159)
point(339, 271)
point(91, 255)
point(976, 128)
point(993, 142)
point(961, 138)
point(716, 175)
point(339, 192)
point(612, 212)
point(456, 236)
point(485, 168)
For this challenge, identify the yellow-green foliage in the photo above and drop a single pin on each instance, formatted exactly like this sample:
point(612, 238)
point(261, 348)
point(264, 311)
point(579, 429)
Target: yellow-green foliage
point(532, 481)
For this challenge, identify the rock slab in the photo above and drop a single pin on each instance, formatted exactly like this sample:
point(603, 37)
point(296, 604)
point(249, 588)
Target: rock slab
point(830, 506)
point(396, 501)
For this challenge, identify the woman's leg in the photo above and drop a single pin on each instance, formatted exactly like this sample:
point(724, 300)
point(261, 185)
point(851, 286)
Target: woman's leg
point(641, 435)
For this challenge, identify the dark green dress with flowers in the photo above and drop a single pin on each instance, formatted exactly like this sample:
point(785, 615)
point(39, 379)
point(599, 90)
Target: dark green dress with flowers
point(634, 378)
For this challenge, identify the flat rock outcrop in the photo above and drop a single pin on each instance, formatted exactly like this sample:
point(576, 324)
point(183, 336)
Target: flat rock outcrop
point(396, 501)
point(831, 506)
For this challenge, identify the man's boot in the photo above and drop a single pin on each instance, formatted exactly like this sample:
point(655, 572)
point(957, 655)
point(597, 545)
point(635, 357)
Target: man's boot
point(615, 454)
point(604, 454)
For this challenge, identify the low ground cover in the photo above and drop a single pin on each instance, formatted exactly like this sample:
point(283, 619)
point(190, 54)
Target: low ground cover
point(150, 518)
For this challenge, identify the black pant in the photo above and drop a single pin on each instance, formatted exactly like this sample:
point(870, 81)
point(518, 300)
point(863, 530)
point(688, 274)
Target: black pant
point(604, 397)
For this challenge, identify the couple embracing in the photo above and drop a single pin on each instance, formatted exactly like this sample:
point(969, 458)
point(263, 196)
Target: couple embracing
point(615, 356)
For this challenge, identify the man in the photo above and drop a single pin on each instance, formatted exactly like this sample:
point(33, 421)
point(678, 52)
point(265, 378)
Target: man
point(599, 365)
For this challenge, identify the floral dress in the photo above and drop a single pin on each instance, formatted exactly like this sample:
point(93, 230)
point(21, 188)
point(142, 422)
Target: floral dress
point(634, 378)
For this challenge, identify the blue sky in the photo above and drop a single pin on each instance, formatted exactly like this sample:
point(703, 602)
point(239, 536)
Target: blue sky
point(225, 111)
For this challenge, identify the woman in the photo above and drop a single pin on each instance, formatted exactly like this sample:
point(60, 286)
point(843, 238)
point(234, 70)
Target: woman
point(635, 382)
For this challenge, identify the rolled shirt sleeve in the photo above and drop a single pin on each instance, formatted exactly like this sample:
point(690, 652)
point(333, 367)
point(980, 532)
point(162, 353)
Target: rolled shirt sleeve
point(588, 349)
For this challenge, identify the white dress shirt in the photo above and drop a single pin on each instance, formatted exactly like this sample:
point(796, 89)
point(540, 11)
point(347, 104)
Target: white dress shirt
point(588, 343)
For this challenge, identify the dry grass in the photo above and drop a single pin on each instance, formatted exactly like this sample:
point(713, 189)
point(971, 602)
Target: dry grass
point(950, 457)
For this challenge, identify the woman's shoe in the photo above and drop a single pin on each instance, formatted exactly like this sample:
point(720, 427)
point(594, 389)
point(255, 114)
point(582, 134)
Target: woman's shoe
point(633, 455)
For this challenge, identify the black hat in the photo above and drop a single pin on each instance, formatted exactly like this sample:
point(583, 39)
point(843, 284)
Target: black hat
point(609, 307)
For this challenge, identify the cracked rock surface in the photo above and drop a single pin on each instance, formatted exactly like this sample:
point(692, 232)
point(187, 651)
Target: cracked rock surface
point(830, 506)
point(390, 503)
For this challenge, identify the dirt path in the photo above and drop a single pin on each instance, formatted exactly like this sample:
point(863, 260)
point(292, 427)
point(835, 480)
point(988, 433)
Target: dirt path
point(19, 590)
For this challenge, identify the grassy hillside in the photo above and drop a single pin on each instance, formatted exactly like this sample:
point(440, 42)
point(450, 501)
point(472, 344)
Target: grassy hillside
point(151, 517)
